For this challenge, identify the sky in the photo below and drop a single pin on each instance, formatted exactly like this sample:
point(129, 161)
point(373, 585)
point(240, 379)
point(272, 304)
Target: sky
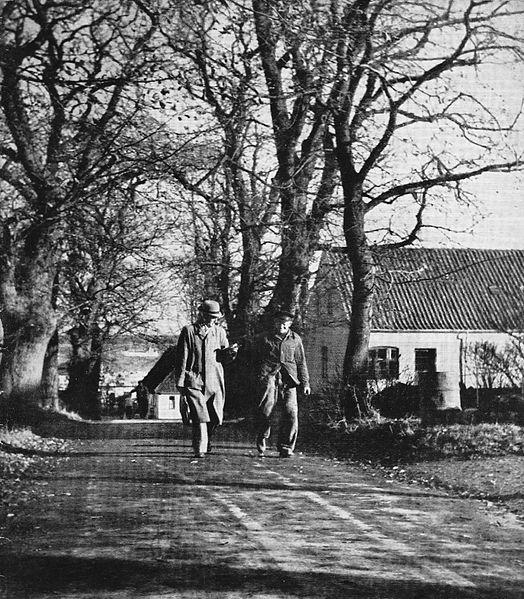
point(501, 195)
point(497, 222)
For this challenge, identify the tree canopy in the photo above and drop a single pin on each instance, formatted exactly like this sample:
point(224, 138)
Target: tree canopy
point(231, 138)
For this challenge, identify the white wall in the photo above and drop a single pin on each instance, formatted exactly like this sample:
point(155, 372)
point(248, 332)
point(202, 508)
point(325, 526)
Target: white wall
point(447, 345)
point(164, 408)
point(335, 339)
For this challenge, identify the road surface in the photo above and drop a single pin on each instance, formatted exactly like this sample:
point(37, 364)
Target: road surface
point(138, 517)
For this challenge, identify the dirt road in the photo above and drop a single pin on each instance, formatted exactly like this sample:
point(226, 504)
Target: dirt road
point(138, 517)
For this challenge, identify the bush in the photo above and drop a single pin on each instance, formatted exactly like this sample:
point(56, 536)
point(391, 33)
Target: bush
point(397, 401)
point(324, 409)
point(474, 440)
point(494, 405)
point(383, 440)
point(389, 439)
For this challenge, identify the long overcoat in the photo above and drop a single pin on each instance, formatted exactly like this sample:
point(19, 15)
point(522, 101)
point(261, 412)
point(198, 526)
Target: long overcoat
point(198, 363)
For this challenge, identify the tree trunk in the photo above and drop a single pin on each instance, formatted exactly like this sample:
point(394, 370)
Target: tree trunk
point(27, 275)
point(84, 369)
point(356, 401)
point(50, 398)
point(26, 340)
point(242, 326)
point(293, 268)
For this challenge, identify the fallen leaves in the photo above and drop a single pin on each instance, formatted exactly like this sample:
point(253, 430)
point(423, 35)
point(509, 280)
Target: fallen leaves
point(23, 455)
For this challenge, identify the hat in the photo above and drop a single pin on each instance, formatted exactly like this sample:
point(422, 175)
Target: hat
point(210, 307)
point(284, 314)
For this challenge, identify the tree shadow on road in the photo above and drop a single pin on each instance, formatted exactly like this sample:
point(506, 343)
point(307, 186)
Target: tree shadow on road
point(26, 575)
point(216, 479)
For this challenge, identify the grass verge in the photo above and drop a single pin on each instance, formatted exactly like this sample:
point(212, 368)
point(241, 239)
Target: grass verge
point(482, 461)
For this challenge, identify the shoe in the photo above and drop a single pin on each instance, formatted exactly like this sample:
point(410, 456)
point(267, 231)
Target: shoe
point(200, 455)
point(286, 453)
point(261, 446)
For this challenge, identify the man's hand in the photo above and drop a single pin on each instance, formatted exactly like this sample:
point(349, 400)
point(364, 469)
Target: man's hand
point(307, 390)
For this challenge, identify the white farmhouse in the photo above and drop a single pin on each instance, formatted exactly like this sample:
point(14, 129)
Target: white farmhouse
point(432, 307)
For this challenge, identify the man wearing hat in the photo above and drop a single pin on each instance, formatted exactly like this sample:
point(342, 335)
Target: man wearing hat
point(201, 350)
point(280, 367)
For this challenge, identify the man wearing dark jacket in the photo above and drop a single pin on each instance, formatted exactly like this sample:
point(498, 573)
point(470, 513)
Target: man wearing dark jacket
point(280, 367)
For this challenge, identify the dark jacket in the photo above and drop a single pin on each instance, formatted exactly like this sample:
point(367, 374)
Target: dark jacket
point(268, 358)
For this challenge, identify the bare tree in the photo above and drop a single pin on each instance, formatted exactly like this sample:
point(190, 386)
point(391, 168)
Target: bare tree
point(379, 70)
point(233, 203)
point(111, 279)
point(69, 72)
point(388, 85)
point(241, 182)
point(306, 169)
point(494, 366)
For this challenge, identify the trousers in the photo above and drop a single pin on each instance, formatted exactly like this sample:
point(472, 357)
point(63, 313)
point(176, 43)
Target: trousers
point(203, 418)
point(273, 393)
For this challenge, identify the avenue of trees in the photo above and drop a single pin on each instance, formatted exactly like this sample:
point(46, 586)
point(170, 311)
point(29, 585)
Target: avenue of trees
point(220, 144)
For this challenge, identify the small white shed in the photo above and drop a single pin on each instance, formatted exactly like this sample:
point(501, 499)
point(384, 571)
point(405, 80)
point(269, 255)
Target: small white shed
point(164, 402)
point(164, 398)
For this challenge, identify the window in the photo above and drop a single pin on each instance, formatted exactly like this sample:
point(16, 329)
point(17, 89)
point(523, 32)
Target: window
point(324, 364)
point(171, 402)
point(319, 304)
point(331, 302)
point(383, 362)
point(425, 360)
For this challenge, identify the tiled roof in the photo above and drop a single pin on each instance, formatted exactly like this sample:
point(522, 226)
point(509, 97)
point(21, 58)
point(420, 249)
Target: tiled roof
point(436, 288)
point(161, 369)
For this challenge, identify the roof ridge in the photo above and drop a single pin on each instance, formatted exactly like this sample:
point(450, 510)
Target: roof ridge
point(435, 288)
point(342, 249)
